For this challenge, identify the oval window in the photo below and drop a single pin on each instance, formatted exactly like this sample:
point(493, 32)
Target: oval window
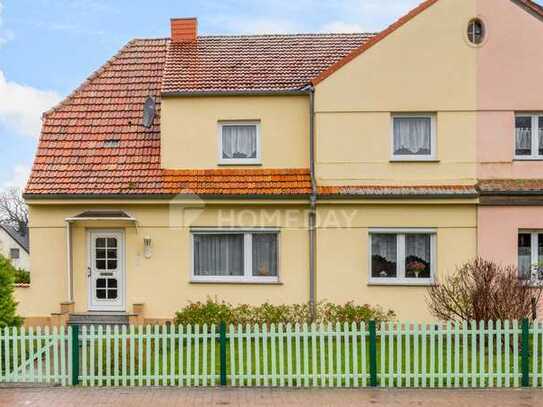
point(476, 31)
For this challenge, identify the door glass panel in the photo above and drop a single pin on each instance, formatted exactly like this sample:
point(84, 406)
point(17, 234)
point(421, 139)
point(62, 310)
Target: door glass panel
point(111, 264)
point(101, 294)
point(112, 294)
point(101, 283)
point(100, 242)
point(111, 253)
point(540, 132)
point(112, 283)
point(100, 264)
point(539, 274)
point(111, 242)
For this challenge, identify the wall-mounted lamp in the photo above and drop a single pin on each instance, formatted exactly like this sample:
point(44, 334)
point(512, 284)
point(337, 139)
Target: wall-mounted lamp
point(147, 247)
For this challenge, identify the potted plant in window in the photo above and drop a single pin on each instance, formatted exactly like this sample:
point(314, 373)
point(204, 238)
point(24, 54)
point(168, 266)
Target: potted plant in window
point(416, 267)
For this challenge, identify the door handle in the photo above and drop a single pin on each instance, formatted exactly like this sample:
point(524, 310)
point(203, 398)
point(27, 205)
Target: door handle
point(88, 271)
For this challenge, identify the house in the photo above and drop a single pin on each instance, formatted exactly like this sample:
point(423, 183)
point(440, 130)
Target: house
point(292, 168)
point(14, 245)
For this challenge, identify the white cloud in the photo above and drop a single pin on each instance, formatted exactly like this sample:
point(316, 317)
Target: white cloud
point(21, 106)
point(341, 27)
point(18, 177)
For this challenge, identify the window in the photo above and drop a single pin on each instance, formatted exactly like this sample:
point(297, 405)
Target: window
point(530, 255)
point(413, 137)
point(239, 143)
point(402, 256)
point(529, 136)
point(14, 253)
point(235, 256)
point(476, 31)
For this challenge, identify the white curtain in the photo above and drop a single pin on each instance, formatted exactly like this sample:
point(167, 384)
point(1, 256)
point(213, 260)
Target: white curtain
point(218, 255)
point(264, 254)
point(524, 138)
point(239, 141)
point(418, 245)
point(412, 135)
point(384, 245)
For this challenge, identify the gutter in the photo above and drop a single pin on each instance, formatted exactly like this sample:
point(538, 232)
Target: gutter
point(312, 207)
point(269, 92)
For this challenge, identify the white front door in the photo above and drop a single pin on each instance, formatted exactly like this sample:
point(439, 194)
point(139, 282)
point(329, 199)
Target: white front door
point(106, 270)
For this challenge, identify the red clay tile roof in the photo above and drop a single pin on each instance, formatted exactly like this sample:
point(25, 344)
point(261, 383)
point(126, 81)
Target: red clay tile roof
point(376, 191)
point(75, 154)
point(511, 186)
point(254, 62)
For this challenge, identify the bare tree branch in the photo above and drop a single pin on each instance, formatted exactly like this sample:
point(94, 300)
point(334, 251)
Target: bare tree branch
point(13, 209)
point(483, 291)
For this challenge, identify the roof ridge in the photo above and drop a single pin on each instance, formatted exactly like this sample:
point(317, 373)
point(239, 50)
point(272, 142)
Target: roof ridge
point(89, 78)
point(299, 34)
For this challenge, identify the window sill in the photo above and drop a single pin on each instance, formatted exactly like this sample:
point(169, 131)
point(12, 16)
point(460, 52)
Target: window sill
point(414, 160)
point(226, 282)
point(401, 283)
point(237, 164)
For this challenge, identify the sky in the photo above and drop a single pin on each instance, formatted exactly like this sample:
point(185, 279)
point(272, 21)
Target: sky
point(48, 47)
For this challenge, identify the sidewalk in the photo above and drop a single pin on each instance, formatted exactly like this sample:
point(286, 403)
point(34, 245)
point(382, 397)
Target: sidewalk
point(158, 397)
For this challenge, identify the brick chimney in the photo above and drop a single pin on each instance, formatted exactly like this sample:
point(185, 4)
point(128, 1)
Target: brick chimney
point(184, 29)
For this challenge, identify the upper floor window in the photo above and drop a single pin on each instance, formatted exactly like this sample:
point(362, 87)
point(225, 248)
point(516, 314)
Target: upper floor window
point(14, 253)
point(476, 31)
point(530, 255)
point(239, 142)
point(529, 136)
point(402, 256)
point(413, 137)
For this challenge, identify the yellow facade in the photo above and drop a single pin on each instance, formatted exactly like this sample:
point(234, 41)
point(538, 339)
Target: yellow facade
point(189, 132)
point(426, 66)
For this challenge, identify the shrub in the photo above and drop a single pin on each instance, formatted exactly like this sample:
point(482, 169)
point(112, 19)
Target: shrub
point(8, 315)
point(481, 290)
point(214, 311)
point(21, 276)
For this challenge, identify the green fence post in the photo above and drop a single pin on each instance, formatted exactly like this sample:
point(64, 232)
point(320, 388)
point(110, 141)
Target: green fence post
point(222, 348)
point(75, 355)
point(525, 353)
point(373, 353)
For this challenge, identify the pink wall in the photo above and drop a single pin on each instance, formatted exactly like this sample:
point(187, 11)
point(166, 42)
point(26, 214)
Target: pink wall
point(498, 228)
point(509, 75)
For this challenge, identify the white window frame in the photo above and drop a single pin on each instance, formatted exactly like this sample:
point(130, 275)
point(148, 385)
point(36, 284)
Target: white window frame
point(400, 278)
point(534, 252)
point(535, 136)
point(247, 252)
point(433, 137)
point(240, 161)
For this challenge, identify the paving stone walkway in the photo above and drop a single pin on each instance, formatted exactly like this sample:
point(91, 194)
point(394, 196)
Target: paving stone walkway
point(158, 397)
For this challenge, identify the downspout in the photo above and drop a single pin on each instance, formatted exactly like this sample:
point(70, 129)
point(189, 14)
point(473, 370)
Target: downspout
point(312, 207)
point(69, 261)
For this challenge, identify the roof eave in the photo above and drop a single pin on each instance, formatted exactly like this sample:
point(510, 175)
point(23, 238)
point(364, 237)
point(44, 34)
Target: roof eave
point(271, 92)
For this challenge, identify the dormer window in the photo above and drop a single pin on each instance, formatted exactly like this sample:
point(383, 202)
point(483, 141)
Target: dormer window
point(111, 143)
point(239, 143)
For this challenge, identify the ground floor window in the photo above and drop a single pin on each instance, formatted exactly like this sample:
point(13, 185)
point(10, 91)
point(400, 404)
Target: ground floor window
point(399, 256)
point(235, 256)
point(530, 255)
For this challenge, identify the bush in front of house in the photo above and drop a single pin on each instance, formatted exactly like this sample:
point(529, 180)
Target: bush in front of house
point(21, 276)
point(481, 290)
point(213, 311)
point(8, 306)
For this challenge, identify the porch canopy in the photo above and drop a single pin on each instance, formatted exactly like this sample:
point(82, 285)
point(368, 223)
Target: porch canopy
point(101, 215)
point(92, 215)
